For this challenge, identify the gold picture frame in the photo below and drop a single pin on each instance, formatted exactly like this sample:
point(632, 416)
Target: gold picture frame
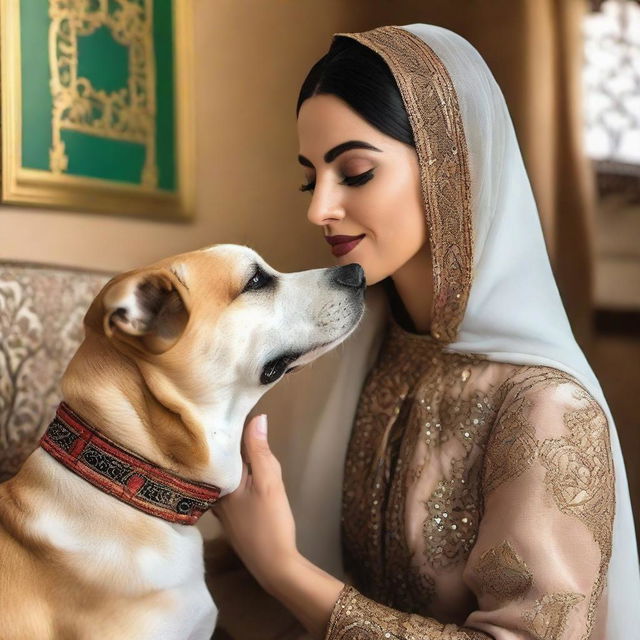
point(57, 189)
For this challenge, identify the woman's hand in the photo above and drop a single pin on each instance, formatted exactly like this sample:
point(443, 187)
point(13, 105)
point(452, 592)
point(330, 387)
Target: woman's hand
point(258, 521)
point(257, 517)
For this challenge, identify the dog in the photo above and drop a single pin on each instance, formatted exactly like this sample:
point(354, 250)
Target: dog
point(95, 535)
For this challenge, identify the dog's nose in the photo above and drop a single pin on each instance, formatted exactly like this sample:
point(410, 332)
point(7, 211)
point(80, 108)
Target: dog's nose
point(351, 275)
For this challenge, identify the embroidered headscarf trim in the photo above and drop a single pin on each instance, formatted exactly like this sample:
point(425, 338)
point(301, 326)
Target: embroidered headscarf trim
point(434, 114)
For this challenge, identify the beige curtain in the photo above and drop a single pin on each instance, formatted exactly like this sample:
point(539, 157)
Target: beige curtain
point(574, 186)
point(546, 105)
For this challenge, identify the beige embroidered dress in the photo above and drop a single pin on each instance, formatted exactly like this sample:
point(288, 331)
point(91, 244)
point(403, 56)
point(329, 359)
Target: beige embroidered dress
point(478, 500)
point(478, 495)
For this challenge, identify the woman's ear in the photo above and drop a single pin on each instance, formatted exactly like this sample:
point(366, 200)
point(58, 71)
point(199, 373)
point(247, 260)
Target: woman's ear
point(145, 310)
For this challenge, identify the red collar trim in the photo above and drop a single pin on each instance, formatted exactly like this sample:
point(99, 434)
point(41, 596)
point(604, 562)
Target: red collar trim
point(123, 474)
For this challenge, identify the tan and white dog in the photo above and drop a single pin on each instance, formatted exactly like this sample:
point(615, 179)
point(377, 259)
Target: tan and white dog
point(175, 356)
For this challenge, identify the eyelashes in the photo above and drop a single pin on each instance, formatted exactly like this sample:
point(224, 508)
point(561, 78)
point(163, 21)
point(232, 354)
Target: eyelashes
point(356, 181)
point(350, 181)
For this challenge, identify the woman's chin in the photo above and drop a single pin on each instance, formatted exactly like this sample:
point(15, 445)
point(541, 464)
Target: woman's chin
point(371, 276)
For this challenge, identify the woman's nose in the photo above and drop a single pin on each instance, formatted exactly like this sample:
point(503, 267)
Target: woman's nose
point(324, 208)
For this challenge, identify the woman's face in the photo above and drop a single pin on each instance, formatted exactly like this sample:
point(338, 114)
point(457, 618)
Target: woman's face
point(373, 192)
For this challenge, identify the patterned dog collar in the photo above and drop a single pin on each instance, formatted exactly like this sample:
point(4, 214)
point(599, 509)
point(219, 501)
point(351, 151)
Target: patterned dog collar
point(123, 474)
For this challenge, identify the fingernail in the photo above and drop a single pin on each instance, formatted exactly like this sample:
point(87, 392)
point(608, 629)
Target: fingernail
point(261, 427)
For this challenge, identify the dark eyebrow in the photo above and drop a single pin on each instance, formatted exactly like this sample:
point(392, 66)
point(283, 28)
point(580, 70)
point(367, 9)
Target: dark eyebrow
point(332, 154)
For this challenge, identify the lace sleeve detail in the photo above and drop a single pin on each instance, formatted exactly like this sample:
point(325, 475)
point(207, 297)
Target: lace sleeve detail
point(544, 541)
point(537, 568)
point(355, 617)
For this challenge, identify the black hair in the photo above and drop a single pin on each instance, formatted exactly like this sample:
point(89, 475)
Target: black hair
point(361, 78)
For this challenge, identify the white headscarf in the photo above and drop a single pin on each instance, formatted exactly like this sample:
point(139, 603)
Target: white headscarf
point(513, 314)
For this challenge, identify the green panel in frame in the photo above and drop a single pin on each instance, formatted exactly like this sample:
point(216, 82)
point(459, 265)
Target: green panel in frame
point(95, 105)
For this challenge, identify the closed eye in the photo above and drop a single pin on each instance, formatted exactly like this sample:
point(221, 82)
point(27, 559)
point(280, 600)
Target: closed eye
point(349, 181)
point(357, 181)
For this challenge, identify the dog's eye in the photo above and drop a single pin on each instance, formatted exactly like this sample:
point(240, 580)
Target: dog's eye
point(259, 280)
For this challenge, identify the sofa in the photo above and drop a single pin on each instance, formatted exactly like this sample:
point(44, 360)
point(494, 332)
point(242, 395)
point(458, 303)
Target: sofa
point(41, 311)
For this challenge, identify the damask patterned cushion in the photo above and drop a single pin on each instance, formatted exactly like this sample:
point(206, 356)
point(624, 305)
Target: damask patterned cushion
point(41, 312)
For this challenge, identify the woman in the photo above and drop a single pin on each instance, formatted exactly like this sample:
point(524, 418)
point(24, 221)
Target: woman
point(478, 489)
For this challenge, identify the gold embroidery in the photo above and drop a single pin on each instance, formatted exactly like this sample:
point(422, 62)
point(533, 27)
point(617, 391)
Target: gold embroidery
point(547, 620)
point(453, 509)
point(580, 470)
point(513, 447)
point(415, 382)
point(432, 106)
point(579, 466)
point(580, 478)
point(503, 573)
point(355, 617)
point(375, 548)
point(451, 526)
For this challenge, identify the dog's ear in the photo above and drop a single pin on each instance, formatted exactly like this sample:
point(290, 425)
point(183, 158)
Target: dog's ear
point(146, 310)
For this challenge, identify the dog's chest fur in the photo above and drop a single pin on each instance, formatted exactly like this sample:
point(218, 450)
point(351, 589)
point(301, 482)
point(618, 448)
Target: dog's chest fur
point(132, 571)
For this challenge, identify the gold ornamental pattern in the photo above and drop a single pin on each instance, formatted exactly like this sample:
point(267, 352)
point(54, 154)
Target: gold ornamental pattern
point(127, 114)
point(356, 617)
point(503, 573)
point(432, 105)
point(436, 435)
point(548, 618)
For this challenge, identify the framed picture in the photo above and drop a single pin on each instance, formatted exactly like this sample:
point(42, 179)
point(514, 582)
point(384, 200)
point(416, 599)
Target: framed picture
point(96, 106)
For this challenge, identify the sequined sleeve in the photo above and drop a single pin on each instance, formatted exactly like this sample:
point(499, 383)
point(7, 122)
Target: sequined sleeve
point(538, 566)
point(355, 617)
